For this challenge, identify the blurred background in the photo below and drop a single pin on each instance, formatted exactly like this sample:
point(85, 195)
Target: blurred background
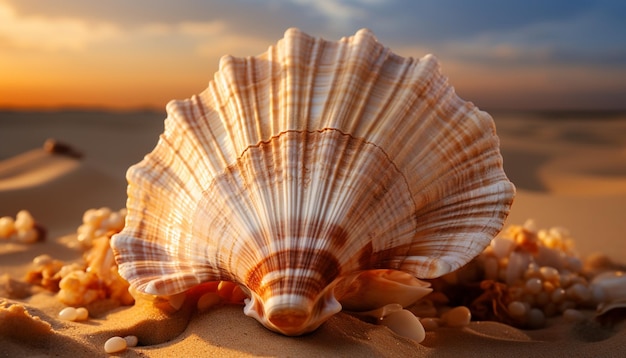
point(118, 54)
point(98, 74)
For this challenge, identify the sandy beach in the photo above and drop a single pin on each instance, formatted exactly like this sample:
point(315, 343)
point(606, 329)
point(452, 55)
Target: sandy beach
point(569, 170)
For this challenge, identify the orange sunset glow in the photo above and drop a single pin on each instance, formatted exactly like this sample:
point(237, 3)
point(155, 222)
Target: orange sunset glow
point(562, 55)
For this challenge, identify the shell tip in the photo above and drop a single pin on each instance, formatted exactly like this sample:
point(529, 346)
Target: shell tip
point(292, 32)
point(365, 32)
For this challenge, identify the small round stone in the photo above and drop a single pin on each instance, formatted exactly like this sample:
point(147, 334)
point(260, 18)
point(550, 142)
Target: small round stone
point(579, 292)
point(405, 324)
point(238, 295)
point(115, 221)
point(534, 285)
point(54, 146)
point(574, 264)
point(7, 227)
point(24, 221)
point(103, 213)
point(68, 314)
point(28, 236)
point(501, 247)
point(82, 314)
point(536, 318)
point(115, 344)
point(517, 309)
point(42, 260)
point(558, 295)
point(131, 341)
point(548, 287)
point(565, 279)
point(430, 324)
point(225, 289)
point(532, 271)
point(572, 315)
point(208, 300)
point(90, 217)
point(549, 273)
point(457, 317)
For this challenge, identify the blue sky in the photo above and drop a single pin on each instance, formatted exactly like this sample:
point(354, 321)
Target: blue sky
point(515, 54)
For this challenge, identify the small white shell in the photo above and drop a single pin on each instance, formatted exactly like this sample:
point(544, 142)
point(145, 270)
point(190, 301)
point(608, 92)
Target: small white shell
point(305, 165)
point(613, 287)
point(115, 345)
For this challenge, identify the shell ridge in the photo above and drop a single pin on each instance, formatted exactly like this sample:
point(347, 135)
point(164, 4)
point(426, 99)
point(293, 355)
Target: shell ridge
point(251, 112)
point(347, 83)
point(273, 90)
point(300, 65)
point(371, 57)
point(332, 87)
point(311, 92)
point(223, 224)
point(169, 171)
point(226, 95)
point(181, 114)
point(377, 103)
point(409, 109)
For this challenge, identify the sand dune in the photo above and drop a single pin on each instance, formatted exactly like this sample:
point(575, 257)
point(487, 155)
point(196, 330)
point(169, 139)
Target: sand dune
point(56, 188)
point(33, 168)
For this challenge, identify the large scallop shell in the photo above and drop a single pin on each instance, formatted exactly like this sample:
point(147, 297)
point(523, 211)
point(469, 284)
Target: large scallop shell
point(306, 165)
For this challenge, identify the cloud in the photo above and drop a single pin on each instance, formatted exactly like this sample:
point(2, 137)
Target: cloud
point(38, 32)
point(530, 46)
point(71, 34)
point(509, 35)
point(531, 32)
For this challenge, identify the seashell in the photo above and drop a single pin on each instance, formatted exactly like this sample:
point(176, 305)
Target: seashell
point(376, 289)
point(612, 284)
point(306, 165)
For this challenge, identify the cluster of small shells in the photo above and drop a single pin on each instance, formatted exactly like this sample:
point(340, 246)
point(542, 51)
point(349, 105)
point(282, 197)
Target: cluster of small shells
point(22, 228)
point(98, 223)
point(525, 276)
point(96, 277)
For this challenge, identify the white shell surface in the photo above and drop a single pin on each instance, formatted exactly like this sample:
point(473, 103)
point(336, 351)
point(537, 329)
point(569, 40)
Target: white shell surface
point(613, 287)
point(306, 164)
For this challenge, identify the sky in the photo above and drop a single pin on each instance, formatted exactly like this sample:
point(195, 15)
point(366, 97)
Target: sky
point(120, 54)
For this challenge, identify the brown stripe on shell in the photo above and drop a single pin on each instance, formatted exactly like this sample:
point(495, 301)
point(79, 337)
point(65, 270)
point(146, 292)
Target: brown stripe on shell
point(323, 263)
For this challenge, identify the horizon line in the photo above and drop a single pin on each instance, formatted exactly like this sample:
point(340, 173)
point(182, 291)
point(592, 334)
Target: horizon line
point(155, 109)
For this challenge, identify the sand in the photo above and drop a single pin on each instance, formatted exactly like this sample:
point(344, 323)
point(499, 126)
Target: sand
point(569, 173)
